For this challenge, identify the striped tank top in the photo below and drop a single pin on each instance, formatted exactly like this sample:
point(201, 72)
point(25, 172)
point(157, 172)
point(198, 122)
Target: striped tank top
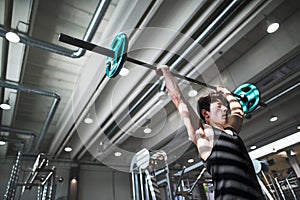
point(231, 169)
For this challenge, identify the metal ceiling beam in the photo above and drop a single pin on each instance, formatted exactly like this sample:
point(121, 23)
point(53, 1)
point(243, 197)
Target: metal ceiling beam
point(5, 45)
point(7, 24)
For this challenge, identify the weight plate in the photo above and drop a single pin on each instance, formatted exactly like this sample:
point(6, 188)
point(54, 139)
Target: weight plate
point(249, 97)
point(119, 45)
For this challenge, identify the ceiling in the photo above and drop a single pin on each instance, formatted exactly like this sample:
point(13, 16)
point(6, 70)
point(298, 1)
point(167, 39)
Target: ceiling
point(53, 86)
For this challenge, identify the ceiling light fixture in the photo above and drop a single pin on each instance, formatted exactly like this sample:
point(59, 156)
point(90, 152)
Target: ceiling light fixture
point(88, 119)
point(272, 27)
point(292, 153)
point(273, 118)
point(124, 71)
point(5, 105)
point(2, 143)
point(118, 154)
point(253, 147)
point(147, 130)
point(12, 37)
point(191, 160)
point(192, 92)
point(68, 149)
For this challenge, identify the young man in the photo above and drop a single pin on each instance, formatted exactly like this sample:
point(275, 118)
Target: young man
point(219, 146)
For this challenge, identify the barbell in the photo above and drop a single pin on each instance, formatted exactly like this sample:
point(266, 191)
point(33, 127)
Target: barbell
point(247, 94)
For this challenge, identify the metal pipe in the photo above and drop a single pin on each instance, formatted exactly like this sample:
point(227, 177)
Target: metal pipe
point(21, 142)
point(94, 24)
point(5, 45)
point(22, 88)
point(8, 10)
point(198, 178)
point(207, 32)
point(51, 113)
point(180, 178)
point(291, 189)
point(274, 186)
point(168, 183)
point(89, 34)
point(133, 184)
point(267, 183)
point(22, 132)
point(49, 118)
point(53, 185)
point(141, 183)
point(282, 93)
point(279, 187)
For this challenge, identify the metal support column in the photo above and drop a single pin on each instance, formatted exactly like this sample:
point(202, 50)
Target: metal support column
point(294, 163)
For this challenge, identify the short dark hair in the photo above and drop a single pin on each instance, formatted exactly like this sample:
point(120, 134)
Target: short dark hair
point(204, 102)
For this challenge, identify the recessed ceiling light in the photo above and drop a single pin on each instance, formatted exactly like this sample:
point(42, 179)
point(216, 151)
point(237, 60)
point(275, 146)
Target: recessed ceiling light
point(68, 149)
point(124, 71)
point(192, 93)
point(2, 143)
point(12, 37)
point(191, 160)
point(147, 130)
point(73, 180)
point(118, 154)
point(88, 120)
point(5, 105)
point(273, 118)
point(253, 147)
point(273, 27)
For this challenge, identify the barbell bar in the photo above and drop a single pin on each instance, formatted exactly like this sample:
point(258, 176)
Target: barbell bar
point(247, 94)
point(111, 53)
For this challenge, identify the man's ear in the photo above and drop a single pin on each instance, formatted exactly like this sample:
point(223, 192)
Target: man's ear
point(205, 113)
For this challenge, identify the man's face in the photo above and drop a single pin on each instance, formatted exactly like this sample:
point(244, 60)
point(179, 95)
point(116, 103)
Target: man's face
point(218, 113)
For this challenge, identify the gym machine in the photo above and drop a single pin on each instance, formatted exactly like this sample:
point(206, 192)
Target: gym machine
point(150, 175)
point(41, 176)
point(13, 179)
point(182, 193)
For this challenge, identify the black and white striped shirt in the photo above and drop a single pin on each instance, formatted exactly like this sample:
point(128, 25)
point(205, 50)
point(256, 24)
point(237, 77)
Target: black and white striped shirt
point(232, 169)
